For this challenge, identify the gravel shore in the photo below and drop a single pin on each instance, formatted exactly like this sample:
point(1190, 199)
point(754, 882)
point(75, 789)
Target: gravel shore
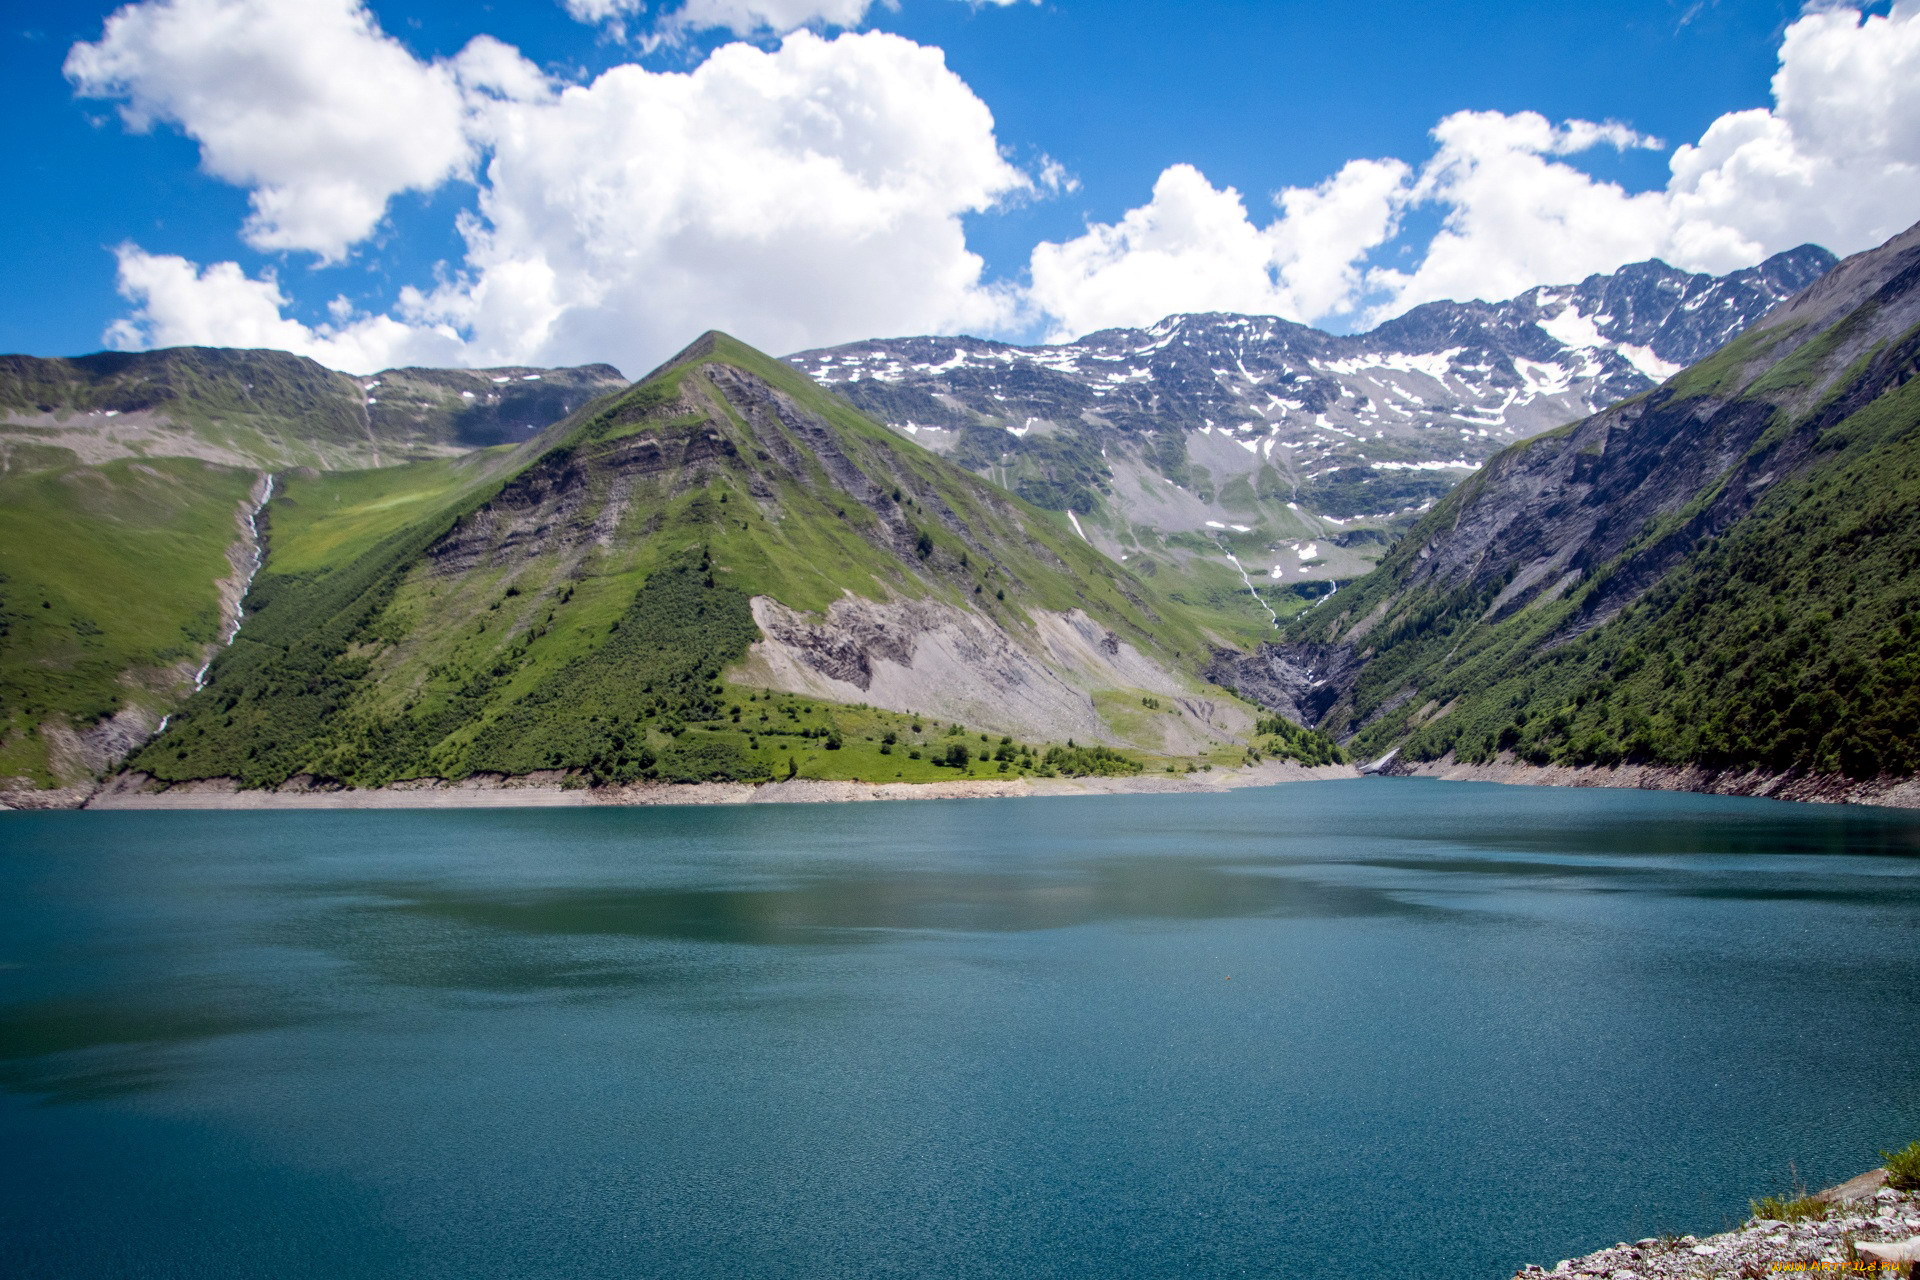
point(1854, 1217)
point(136, 791)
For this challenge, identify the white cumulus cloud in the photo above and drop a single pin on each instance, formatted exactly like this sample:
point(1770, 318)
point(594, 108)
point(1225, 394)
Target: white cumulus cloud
point(1194, 248)
point(805, 194)
point(178, 304)
point(814, 191)
point(1517, 214)
point(305, 102)
point(1835, 161)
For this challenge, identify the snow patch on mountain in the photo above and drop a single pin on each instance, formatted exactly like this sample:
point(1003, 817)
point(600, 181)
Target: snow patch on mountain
point(1257, 423)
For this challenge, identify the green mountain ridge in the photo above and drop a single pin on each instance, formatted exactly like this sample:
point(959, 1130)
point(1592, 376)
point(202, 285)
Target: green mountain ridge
point(1721, 574)
point(272, 409)
point(127, 485)
point(722, 571)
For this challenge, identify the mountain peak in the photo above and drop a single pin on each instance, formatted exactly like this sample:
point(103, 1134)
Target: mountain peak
point(703, 348)
point(1853, 281)
point(614, 597)
point(1296, 449)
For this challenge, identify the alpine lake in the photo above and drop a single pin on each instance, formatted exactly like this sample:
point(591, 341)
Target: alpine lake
point(1370, 1028)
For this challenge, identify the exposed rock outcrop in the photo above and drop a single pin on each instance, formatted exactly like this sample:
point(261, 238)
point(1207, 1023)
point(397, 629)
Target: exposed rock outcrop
point(1300, 681)
point(1718, 571)
point(1210, 423)
point(935, 659)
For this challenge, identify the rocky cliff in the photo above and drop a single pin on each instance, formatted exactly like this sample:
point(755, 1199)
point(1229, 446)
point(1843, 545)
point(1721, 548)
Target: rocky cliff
point(1722, 574)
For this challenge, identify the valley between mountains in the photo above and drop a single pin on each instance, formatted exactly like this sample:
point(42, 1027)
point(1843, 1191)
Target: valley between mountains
point(239, 573)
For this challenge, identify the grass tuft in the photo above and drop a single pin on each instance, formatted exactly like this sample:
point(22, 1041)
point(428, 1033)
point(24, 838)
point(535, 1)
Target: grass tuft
point(1795, 1207)
point(1903, 1167)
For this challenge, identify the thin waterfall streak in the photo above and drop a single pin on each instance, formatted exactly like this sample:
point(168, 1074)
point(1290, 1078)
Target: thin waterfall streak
point(239, 609)
point(1257, 598)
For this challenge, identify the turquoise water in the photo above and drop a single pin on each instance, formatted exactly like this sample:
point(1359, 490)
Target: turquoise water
point(1369, 1028)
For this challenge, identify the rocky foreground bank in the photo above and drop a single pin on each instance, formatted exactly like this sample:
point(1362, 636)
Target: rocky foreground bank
point(548, 790)
point(1815, 788)
point(1860, 1228)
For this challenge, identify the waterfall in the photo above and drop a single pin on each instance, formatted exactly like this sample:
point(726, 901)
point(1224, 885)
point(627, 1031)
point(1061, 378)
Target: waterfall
point(246, 584)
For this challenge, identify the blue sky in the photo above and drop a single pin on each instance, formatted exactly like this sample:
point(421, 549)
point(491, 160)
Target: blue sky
point(1091, 105)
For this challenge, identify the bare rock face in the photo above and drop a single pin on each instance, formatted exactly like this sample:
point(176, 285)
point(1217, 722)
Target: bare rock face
point(1897, 1257)
point(1298, 680)
point(935, 659)
point(562, 503)
point(79, 757)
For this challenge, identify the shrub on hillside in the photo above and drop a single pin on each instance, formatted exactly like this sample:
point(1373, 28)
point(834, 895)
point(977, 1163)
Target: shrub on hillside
point(1081, 762)
point(1903, 1167)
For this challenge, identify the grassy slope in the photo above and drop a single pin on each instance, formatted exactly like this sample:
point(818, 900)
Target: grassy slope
point(105, 578)
point(333, 518)
point(367, 661)
point(127, 553)
point(1178, 618)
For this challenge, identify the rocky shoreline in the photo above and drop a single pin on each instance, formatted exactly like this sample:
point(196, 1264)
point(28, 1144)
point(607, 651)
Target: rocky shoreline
point(1812, 788)
point(1861, 1227)
point(554, 789)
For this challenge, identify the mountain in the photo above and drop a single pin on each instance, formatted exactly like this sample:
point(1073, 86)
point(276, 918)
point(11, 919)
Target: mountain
point(270, 409)
point(128, 486)
point(1290, 448)
point(1721, 575)
point(723, 571)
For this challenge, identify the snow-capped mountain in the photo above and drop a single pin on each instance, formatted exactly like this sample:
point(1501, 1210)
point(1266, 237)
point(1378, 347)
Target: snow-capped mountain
point(1285, 445)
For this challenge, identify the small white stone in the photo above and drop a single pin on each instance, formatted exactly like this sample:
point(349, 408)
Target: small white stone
point(1705, 1250)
